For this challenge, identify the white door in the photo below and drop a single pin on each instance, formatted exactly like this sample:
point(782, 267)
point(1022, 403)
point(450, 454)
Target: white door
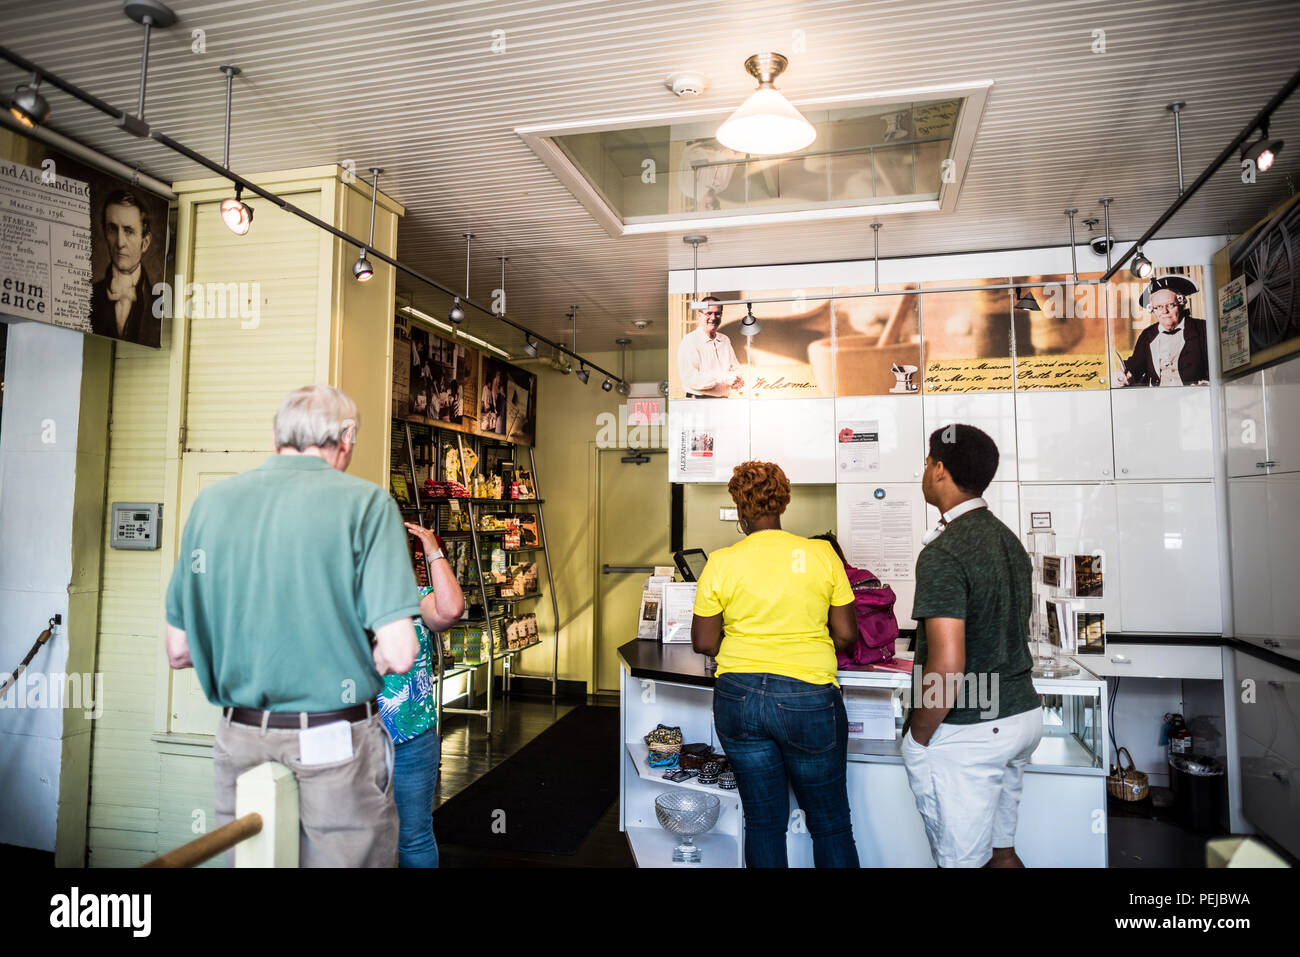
point(1163, 433)
point(1064, 436)
point(796, 434)
point(900, 453)
point(1282, 399)
point(1169, 554)
point(880, 528)
point(1248, 524)
point(1247, 430)
point(707, 438)
point(993, 413)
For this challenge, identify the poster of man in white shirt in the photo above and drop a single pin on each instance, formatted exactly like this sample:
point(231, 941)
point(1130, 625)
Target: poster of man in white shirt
point(706, 362)
point(1172, 350)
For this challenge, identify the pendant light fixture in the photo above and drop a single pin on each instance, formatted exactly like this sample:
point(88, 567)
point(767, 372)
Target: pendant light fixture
point(766, 123)
point(623, 388)
point(362, 268)
point(235, 213)
point(1141, 267)
point(27, 105)
point(530, 347)
point(457, 314)
point(750, 325)
point(1025, 300)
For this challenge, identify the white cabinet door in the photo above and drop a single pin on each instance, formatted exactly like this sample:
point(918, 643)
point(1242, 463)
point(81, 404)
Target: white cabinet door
point(1163, 433)
point(1282, 402)
point(994, 413)
point(1064, 436)
point(900, 454)
point(1169, 558)
point(1004, 502)
point(1248, 524)
point(1084, 519)
point(707, 438)
point(1284, 554)
point(1247, 430)
point(880, 527)
point(796, 434)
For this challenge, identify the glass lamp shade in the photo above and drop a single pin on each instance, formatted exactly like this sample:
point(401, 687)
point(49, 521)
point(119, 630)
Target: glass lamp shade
point(237, 216)
point(766, 123)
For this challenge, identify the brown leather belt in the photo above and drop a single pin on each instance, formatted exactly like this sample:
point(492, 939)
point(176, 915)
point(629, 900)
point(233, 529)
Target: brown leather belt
point(293, 719)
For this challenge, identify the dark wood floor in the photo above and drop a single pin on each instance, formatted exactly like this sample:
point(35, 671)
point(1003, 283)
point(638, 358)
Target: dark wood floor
point(468, 753)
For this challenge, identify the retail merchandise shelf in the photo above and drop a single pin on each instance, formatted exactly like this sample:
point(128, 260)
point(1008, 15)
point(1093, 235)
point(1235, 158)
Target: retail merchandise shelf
point(653, 847)
point(640, 757)
point(441, 499)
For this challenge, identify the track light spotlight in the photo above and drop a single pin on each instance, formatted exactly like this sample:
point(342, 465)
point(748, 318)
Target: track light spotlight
point(1141, 267)
point(1025, 300)
point(530, 347)
point(362, 269)
point(624, 389)
point(750, 326)
point(457, 314)
point(236, 214)
point(27, 105)
point(607, 384)
point(583, 374)
point(1263, 152)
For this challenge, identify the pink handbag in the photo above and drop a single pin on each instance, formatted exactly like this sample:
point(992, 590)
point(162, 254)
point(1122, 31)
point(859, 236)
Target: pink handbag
point(873, 604)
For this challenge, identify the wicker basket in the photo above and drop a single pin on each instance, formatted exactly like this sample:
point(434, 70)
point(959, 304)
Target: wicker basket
point(1126, 784)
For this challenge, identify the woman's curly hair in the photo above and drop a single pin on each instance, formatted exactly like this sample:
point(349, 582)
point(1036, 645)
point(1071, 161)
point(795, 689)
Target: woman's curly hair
point(759, 488)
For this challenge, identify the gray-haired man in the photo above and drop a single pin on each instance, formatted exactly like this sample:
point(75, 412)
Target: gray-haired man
point(284, 573)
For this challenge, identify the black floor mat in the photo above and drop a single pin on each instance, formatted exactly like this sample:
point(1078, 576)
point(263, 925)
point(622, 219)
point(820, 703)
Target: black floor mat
point(547, 797)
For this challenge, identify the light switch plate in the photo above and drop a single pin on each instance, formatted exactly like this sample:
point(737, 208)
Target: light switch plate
point(728, 515)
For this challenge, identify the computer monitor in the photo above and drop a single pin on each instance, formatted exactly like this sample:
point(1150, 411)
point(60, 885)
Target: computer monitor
point(690, 562)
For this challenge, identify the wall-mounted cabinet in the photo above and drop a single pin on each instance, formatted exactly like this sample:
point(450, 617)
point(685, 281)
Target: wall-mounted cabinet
point(1282, 408)
point(1163, 434)
point(995, 413)
point(1003, 499)
point(797, 434)
point(1064, 436)
point(1169, 558)
point(880, 527)
point(707, 439)
point(901, 450)
point(1247, 431)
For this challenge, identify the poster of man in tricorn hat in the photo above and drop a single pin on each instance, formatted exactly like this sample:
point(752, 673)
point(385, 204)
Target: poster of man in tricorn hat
point(1171, 350)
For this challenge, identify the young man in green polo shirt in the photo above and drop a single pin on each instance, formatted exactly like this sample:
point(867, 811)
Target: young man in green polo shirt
point(975, 717)
point(284, 573)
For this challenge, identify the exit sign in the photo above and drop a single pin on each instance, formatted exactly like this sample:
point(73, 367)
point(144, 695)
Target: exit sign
point(644, 411)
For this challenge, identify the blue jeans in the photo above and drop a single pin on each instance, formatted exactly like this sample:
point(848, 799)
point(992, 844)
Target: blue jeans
point(778, 734)
point(415, 776)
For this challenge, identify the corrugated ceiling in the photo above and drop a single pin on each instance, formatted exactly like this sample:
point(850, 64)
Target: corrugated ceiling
point(417, 88)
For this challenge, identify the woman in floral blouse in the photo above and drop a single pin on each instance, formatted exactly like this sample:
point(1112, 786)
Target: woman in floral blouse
point(408, 710)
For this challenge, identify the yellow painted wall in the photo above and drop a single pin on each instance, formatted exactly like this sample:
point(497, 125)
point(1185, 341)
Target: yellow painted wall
point(811, 512)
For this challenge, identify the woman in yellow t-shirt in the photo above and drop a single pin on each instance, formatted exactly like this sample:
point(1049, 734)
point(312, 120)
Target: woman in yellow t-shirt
point(786, 604)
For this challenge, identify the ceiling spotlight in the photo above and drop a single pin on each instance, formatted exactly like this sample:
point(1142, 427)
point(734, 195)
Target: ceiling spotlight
point(750, 326)
point(766, 122)
point(607, 384)
point(362, 269)
point(663, 387)
point(457, 314)
point(623, 342)
point(1141, 267)
point(1263, 152)
point(583, 374)
point(624, 389)
point(27, 105)
point(530, 347)
point(236, 214)
point(1025, 300)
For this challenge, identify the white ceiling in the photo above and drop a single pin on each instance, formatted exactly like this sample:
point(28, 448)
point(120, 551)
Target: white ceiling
point(415, 87)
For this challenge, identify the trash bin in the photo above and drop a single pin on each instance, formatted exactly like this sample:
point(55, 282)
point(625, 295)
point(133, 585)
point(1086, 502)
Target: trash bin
point(1198, 784)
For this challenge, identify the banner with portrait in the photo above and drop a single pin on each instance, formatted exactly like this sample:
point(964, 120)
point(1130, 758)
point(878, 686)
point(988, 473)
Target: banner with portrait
point(82, 250)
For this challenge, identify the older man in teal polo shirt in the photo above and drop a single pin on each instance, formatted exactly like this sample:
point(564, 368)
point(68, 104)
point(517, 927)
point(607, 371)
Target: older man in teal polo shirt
point(284, 574)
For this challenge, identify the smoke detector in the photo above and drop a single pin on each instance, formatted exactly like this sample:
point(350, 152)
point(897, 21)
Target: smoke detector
point(686, 83)
point(640, 323)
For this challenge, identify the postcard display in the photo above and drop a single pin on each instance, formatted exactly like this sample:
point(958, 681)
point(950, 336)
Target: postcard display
point(1093, 445)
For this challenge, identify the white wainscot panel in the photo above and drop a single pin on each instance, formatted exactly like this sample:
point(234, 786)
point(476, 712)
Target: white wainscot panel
point(796, 434)
point(1064, 436)
point(1247, 431)
point(1248, 523)
point(1284, 554)
point(1163, 433)
point(995, 413)
point(1282, 396)
point(1084, 519)
point(1169, 558)
point(900, 454)
point(1004, 502)
point(880, 528)
point(707, 438)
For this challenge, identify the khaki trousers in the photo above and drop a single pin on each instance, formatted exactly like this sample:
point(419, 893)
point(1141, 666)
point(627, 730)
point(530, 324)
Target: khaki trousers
point(346, 813)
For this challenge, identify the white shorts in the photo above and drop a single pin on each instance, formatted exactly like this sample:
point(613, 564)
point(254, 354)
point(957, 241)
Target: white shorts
point(967, 785)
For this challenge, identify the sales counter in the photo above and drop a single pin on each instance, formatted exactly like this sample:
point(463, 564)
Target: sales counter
point(1063, 808)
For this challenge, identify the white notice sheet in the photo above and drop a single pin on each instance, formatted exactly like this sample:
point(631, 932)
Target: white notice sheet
point(881, 537)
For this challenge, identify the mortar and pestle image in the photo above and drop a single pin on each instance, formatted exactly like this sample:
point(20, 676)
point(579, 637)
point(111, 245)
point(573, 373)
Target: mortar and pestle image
point(881, 355)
